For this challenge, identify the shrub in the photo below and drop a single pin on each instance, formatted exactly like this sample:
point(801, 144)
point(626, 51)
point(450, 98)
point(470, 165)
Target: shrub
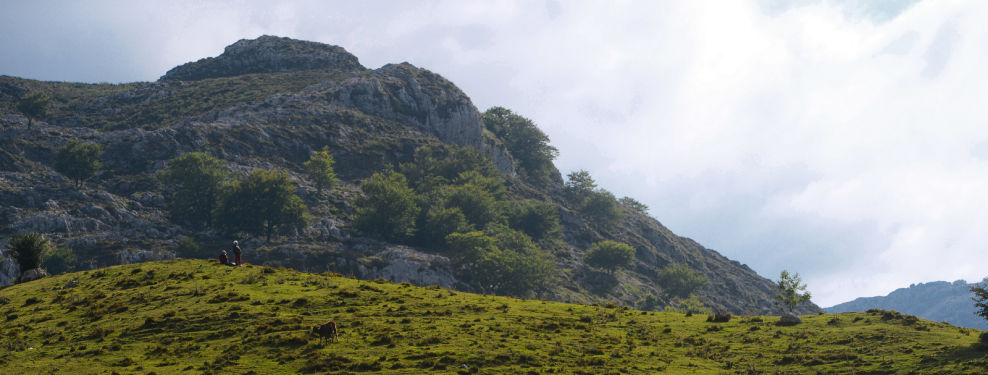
point(538, 220)
point(192, 182)
point(319, 168)
point(527, 144)
point(441, 222)
point(610, 255)
point(678, 280)
point(27, 250)
point(388, 207)
point(719, 317)
point(78, 160)
point(59, 260)
point(263, 203)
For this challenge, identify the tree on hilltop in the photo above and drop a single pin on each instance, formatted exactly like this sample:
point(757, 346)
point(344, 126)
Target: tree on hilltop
point(981, 298)
point(78, 160)
point(789, 288)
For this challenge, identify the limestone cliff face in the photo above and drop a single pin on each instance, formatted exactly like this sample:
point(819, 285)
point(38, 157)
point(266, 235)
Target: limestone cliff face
point(267, 54)
point(268, 103)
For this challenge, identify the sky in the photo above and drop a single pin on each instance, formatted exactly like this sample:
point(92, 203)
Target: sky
point(842, 140)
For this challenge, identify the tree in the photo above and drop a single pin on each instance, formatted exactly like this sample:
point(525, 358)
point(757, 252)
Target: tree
point(263, 203)
point(598, 206)
point(441, 222)
point(527, 144)
point(34, 105)
point(27, 250)
point(477, 205)
point(499, 260)
point(610, 255)
point(388, 207)
point(678, 280)
point(319, 168)
point(789, 288)
point(59, 260)
point(981, 298)
point(601, 208)
point(78, 160)
point(634, 205)
point(579, 185)
point(538, 220)
point(192, 183)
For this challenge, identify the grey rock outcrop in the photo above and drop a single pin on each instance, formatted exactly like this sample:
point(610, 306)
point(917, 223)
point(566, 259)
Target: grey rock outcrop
point(32, 274)
point(789, 319)
point(267, 54)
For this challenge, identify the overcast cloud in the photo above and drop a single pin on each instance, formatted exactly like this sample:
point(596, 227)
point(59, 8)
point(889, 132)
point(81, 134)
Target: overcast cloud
point(843, 140)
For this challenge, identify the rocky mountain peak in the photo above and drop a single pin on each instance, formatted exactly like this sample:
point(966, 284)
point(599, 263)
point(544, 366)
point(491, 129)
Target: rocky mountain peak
point(267, 54)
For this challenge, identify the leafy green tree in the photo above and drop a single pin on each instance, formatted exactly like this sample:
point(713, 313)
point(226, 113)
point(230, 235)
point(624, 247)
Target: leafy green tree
point(598, 206)
point(634, 205)
point(34, 105)
point(477, 205)
point(263, 203)
point(499, 260)
point(789, 288)
point(434, 167)
point(388, 207)
point(192, 183)
point(610, 255)
point(981, 298)
point(538, 220)
point(441, 222)
point(678, 280)
point(27, 250)
point(601, 208)
point(579, 185)
point(319, 168)
point(58, 260)
point(78, 160)
point(527, 144)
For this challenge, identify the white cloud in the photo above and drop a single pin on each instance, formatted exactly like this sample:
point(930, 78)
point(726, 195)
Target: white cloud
point(838, 139)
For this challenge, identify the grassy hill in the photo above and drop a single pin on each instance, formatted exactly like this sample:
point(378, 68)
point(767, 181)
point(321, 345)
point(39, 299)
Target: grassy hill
point(194, 316)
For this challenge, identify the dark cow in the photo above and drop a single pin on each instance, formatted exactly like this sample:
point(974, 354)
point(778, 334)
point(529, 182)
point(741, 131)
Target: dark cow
point(325, 330)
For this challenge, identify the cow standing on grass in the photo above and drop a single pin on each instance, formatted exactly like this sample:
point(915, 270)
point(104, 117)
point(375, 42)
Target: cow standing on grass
point(326, 330)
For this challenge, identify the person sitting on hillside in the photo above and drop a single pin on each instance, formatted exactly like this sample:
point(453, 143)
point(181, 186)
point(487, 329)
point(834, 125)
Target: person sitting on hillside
point(224, 259)
point(236, 254)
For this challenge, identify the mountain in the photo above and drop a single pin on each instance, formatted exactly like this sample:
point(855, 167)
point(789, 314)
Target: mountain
point(269, 103)
point(938, 301)
point(183, 316)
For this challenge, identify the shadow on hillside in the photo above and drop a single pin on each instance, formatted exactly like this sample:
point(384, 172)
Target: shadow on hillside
point(972, 355)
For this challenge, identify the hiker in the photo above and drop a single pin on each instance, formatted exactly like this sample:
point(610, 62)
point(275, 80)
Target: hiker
point(225, 260)
point(236, 254)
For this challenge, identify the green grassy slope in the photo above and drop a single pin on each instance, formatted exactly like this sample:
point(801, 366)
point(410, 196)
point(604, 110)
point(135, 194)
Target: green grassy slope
point(191, 316)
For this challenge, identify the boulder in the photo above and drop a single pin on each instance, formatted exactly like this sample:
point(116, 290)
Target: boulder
point(789, 319)
point(32, 274)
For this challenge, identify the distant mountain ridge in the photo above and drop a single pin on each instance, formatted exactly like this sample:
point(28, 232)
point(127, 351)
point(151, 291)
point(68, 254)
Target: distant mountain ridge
point(938, 301)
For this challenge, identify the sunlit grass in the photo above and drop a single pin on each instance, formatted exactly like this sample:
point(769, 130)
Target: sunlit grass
point(197, 316)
